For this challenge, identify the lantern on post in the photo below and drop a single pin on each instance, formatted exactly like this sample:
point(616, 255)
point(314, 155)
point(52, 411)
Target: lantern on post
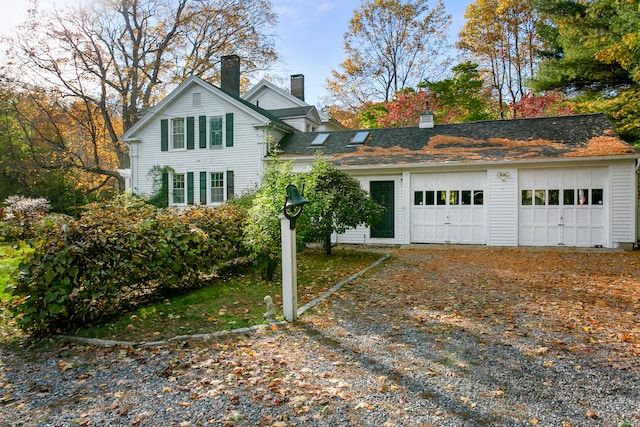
point(293, 205)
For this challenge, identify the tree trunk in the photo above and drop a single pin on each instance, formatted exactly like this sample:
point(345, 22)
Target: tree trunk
point(327, 244)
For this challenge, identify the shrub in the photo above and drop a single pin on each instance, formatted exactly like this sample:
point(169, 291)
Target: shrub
point(263, 228)
point(120, 255)
point(20, 217)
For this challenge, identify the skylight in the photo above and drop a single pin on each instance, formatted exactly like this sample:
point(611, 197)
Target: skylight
point(360, 137)
point(320, 139)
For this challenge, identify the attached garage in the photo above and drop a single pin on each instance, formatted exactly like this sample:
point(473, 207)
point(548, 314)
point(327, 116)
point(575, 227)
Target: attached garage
point(567, 207)
point(555, 181)
point(448, 208)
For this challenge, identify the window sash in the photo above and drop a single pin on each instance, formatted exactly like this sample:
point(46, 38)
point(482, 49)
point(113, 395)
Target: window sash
point(177, 134)
point(562, 197)
point(215, 131)
point(178, 188)
point(217, 187)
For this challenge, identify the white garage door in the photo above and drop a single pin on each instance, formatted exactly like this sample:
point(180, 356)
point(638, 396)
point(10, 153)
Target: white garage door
point(448, 208)
point(563, 207)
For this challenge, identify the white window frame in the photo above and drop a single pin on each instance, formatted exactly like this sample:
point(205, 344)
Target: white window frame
point(210, 131)
point(197, 99)
point(175, 121)
point(175, 181)
point(220, 193)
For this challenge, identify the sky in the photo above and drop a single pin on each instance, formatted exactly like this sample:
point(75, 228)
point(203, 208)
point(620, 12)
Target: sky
point(309, 36)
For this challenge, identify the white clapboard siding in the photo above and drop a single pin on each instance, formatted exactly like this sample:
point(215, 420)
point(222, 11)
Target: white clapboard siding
point(244, 158)
point(623, 191)
point(362, 235)
point(268, 96)
point(502, 207)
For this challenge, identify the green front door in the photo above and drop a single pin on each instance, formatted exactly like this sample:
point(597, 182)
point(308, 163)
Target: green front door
point(382, 192)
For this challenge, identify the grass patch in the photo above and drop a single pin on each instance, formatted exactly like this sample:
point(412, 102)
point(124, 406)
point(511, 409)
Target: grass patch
point(10, 258)
point(231, 302)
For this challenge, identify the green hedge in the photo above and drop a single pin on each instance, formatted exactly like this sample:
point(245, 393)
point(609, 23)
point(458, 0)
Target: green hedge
point(119, 255)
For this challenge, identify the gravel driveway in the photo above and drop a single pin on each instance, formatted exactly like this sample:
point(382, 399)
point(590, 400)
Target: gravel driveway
point(435, 336)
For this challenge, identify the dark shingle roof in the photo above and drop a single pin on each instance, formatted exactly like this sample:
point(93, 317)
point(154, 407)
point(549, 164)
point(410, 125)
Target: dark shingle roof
point(274, 119)
point(292, 112)
point(589, 135)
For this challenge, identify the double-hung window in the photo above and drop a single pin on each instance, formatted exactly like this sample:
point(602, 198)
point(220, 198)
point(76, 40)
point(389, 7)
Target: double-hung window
point(217, 187)
point(178, 134)
point(215, 132)
point(178, 188)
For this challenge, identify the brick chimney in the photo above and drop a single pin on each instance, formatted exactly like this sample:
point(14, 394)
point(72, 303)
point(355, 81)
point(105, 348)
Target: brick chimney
point(297, 86)
point(230, 74)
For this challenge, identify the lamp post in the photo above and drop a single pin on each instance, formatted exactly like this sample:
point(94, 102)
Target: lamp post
point(293, 205)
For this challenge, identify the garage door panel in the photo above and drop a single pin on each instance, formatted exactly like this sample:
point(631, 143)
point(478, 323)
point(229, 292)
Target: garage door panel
point(583, 217)
point(597, 236)
point(455, 215)
point(540, 217)
point(597, 217)
point(479, 217)
point(452, 210)
point(554, 235)
point(583, 235)
point(563, 207)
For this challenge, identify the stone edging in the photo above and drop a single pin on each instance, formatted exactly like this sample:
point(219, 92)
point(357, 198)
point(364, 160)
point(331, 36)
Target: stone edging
point(300, 312)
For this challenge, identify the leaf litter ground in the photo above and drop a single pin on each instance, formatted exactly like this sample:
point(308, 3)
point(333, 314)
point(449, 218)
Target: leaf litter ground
point(438, 335)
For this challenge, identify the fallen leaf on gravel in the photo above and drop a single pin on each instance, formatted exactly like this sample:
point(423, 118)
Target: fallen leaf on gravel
point(64, 365)
point(591, 414)
point(468, 402)
point(533, 421)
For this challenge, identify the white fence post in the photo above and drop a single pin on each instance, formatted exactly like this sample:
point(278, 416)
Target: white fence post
point(289, 271)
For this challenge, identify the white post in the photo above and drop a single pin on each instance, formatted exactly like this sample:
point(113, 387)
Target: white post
point(289, 271)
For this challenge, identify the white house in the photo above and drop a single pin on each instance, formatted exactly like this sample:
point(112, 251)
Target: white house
point(541, 182)
point(207, 143)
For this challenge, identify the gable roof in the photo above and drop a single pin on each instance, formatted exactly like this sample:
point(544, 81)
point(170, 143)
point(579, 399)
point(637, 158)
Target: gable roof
point(307, 111)
point(152, 112)
point(579, 136)
point(263, 85)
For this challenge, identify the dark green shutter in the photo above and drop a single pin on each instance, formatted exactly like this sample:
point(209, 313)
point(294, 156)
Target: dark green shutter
point(230, 189)
point(229, 130)
point(202, 131)
point(190, 133)
point(189, 188)
point(203, 188)
point(164, 135)
point(165, 186)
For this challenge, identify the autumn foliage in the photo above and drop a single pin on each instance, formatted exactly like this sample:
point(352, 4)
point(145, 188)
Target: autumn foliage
point(120, 255)
point(543, 105)
point(404, 109)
